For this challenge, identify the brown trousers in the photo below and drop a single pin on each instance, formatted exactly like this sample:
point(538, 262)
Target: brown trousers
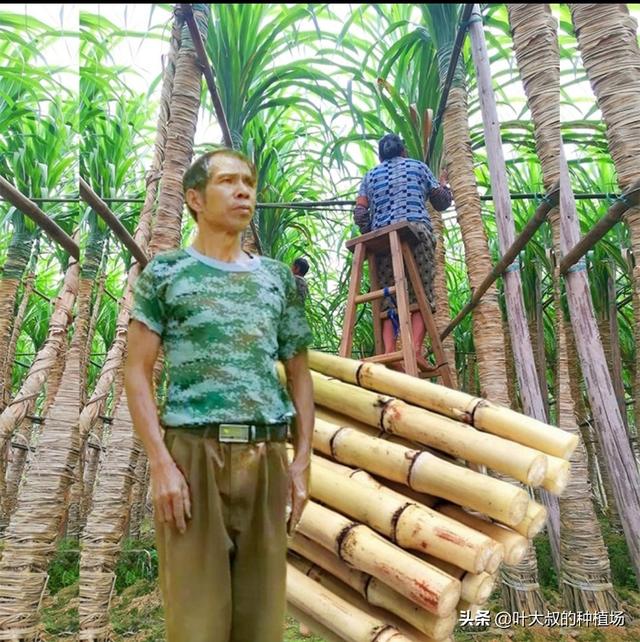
point(224, 579)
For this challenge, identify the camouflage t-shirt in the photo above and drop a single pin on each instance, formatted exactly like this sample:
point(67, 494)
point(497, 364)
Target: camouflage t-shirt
point(223, 326)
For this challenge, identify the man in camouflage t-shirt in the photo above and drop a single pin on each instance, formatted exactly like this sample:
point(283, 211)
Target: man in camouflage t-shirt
point(220, 476)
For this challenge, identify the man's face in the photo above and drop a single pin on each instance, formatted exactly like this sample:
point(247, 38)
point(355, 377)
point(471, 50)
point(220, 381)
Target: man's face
point(229, 199)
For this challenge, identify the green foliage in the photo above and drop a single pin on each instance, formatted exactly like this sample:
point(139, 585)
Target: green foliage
point(64, 570)
point(138, 565)
point(547, 575)
point(621, 567)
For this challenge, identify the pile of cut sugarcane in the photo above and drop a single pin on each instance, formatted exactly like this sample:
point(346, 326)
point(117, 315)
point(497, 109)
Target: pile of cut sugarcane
point(403, 529)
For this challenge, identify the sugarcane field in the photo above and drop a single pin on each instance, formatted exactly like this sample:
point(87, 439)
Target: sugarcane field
point(319, 322)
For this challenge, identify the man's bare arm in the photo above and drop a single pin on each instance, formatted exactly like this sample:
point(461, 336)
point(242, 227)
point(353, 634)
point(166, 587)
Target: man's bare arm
point(300, 386)
point(170, 490)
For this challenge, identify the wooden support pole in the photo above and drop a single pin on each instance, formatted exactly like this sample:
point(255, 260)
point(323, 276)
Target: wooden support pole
point(538, 218)
point(629, 199)
point(30, 209)
point(618, 455)
point(118, 229)
point(524, 360)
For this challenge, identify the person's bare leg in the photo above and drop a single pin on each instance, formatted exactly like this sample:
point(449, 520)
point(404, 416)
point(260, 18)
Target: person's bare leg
point(419, 331)
point(388, 337)
point(389, 341)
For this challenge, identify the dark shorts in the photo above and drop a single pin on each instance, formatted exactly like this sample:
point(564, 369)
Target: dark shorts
point(424, 253)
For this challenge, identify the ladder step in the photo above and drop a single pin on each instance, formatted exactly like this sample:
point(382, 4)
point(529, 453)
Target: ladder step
point(385, 358)
point(414, 307)
point(376, 294)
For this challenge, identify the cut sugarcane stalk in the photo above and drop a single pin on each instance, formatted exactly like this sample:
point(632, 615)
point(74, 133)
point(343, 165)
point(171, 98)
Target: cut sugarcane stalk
point(515, 545)
point(423, 472)
point(313, 625)
point(476, 587)
point(391, 514)
point(344, 592)
point(367, 551)
point(533, 522)
point(335, 613)
point(374, 591)
point(453, 437)
point(557, 477)
point(481, 413)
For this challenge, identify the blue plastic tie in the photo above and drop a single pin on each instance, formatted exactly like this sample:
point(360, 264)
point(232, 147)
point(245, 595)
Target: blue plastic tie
point(393, 314)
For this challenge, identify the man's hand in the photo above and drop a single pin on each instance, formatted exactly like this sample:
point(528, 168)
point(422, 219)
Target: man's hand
point(444, 177)
point(298, 490)
point(171, 497)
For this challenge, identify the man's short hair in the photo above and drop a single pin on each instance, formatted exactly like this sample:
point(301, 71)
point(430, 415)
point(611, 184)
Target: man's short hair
point(390, 146)
point(302, 264)
point(199, 173)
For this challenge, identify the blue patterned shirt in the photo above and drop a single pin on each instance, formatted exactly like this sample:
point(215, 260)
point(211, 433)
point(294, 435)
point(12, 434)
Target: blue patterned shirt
point(397, 190)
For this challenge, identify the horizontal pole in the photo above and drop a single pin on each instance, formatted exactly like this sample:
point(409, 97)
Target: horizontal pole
point(30, 209)
point(376, 294)
point(326, 204)
point(119, 230)
point(386, 358)
point(629, 199)
point(539, 217)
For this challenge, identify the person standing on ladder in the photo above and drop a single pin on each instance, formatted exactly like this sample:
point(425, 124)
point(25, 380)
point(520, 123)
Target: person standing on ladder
point(397, 190)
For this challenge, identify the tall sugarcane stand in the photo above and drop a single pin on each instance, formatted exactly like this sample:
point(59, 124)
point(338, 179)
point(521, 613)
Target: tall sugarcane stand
point(397, 240)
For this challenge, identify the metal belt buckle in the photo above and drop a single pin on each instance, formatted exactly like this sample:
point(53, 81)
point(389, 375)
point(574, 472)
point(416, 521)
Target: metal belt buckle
point(234, 433)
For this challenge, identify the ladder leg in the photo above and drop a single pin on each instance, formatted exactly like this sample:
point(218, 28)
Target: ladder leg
point(402, 297)
point(376, 306)
point(354, 288)
point(427, 316)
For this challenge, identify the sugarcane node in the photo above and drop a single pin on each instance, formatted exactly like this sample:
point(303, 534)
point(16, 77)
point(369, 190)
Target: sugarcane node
point(341, 538)
point(365, 588)
point(331, 441)
point(385, 404)
point(395, 518)
point(414, 458)
point(385, 629)
point(358, 370)
point(471, 413)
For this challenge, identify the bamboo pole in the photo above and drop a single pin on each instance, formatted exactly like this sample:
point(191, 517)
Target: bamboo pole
point(618, 456)
point(48, 225)
point(479, 413)
point(118, 229)
point(630, 198)
point(374, 591)
point(367, 551)
point(335, 613)
point(515, 545)
point(423, 472)
point(407, 524)
point(524, 361)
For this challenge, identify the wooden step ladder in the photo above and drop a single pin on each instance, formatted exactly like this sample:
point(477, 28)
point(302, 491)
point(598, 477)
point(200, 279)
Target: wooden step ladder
point(397, 240)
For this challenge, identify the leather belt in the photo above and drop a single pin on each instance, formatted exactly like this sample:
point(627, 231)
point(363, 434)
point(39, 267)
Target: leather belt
point(227, 433)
